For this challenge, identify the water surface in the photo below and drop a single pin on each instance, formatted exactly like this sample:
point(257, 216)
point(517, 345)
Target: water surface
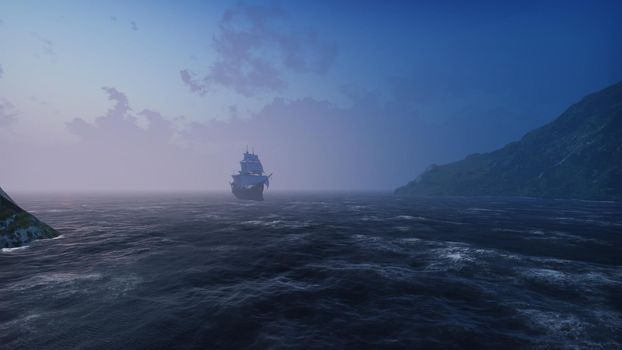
point(314, 271)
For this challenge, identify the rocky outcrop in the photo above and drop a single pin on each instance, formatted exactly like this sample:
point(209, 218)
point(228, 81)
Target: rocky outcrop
point(18, 227)
point(578, 155)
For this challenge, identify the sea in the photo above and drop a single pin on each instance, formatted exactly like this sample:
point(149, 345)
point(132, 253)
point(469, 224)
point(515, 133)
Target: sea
point(314, 271)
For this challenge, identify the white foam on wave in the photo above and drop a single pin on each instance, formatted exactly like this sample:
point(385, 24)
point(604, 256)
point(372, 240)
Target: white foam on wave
point(277, 223)
point(146, 207)
point(484, 211)
point(207, 216)
point(253, 222)
point(240, 293)
point(371, 218)
point(387, 271)
point(564, 328)
point(120, 285)
point(283, 282)
point(559, 235)
point(611, 277)
point(54, 210)
point(410, 218)
point(357, 207)
point(63, 284)
point(410, 240)
point(25, 322)
point(14, 249)
point(365, 238)
point(565, 219)
point(378, 243)
point(554, 321)
point(43, 280)
point(548, 276)
point(591, 282)
point(508, 230)
point(456, 256)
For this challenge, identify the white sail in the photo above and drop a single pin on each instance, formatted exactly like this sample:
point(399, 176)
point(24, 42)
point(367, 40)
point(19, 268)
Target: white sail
point(251, 167)
point(251, 164)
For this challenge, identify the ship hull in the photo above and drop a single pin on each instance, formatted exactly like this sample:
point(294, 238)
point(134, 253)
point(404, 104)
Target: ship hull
point(253, 193)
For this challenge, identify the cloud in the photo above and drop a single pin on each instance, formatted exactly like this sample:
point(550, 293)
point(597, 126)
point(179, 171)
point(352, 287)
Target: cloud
point(7, 113)
point(134, 26)
point(126, 150)
point(308, 144)
point(189, 78)
point(252, 49)
point(121, 126)
point(47, 45)
point(122, 105)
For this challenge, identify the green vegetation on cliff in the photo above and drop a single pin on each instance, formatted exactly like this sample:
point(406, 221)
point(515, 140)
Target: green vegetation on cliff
point(578, 155)
point(17, 227)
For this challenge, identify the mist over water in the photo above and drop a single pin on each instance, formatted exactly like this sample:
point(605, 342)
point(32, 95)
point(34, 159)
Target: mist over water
point(316, 271)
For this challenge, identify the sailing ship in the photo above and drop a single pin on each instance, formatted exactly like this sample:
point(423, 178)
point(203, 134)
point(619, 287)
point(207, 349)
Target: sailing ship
point(250, 180)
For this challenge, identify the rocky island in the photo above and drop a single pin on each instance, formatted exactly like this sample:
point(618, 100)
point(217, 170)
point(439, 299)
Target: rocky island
point(578, 155)
point(18, 227)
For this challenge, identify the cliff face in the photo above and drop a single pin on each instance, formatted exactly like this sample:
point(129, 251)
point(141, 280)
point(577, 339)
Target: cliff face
point(17, 227)
point(578, 155)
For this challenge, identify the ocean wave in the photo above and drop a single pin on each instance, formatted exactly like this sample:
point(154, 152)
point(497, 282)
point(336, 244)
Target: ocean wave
point(400, 273)
point(511, 230)
point(389, 272)
point(548, 276)
point(52, 278)
point(357, 208)
point(410, 240)
point(571, 331)
point(66, 284)
point(23, 322)
point(208, 216)
point(408, 217)
point(560, 236)
point(451, 258)
point(583, 220)
point(14, 249)
point(277, 223)
point(371, 218)
point(378, 243)
point(121, 285)
point(566, 326)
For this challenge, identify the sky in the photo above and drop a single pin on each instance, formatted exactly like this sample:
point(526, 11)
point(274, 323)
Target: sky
point(332, 95)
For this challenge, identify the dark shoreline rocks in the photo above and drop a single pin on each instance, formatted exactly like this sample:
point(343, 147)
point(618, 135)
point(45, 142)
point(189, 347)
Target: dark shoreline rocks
point(576, 156)
point(18, 227)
